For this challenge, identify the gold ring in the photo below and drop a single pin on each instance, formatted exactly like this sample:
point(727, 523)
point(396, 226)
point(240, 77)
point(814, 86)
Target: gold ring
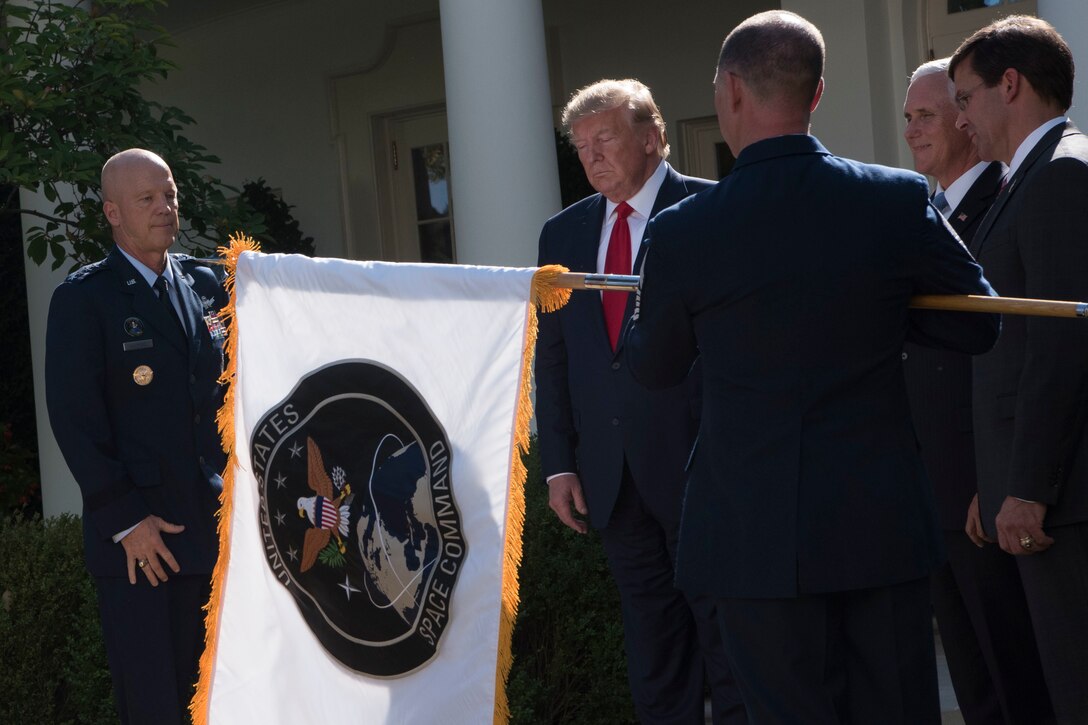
point(143, 562)
point(1027, 541)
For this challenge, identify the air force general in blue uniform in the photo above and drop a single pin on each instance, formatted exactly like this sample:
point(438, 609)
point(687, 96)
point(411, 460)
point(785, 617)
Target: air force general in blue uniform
point(132, 393)
point(808, 515)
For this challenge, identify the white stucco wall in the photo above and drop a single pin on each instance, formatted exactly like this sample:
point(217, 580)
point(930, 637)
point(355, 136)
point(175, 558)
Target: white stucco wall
point(257, 83)
point(1070, 17)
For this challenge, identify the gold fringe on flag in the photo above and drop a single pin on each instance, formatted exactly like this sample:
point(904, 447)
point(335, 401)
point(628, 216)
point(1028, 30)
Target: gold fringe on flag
point(198, 708)
point(545, 295)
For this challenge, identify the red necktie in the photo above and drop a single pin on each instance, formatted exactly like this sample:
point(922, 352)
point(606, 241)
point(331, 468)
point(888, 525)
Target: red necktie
point(617, 261)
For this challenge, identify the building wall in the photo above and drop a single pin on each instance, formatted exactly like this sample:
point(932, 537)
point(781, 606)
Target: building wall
point(264, 80)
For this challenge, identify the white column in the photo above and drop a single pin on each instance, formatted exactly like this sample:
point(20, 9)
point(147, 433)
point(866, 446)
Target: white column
point(1070, 17)
point(60, 494)
point(502, 152)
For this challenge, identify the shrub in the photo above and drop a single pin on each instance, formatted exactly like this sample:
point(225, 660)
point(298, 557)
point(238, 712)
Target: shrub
point(282, 234)
point(52, 658)
point(569, 664)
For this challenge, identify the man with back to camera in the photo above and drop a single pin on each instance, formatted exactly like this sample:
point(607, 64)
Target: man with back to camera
point(1014, 83)
point(131, 386)
point(808, 515)
point(977, 595)
point(611, 450)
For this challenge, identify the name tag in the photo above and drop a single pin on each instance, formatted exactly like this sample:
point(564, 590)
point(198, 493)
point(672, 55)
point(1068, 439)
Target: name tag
point(137, 344)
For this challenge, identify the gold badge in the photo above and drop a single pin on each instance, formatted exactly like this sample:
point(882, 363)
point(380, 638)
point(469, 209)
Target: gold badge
point(142, 375)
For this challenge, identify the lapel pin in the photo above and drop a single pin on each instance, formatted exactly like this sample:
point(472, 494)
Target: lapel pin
point(134, 326)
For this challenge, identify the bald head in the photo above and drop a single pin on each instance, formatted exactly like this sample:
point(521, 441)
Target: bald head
point(778, 54)
point(122, 164)
point(140, 201)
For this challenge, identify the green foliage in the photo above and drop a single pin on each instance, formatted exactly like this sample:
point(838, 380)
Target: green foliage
point(52, 659)
point(19, 487)
point(283, 234)
point(569, 664)
point(70, 78)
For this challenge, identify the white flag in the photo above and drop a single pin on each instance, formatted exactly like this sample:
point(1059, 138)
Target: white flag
point(371, 522)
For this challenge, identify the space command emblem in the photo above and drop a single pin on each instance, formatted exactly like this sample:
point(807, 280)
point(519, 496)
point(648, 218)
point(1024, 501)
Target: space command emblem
point(358, 516)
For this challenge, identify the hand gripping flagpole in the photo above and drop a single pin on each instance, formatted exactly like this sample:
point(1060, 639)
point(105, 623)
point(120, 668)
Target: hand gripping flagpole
point(957, 303)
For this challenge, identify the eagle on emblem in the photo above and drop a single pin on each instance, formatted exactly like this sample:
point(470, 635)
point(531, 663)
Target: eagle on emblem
point(326, 511)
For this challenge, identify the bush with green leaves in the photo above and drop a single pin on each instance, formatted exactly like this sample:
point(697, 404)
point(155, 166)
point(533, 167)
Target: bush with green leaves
point(282, 234)
point(569, 664)
point(70, 97)
point(52, 660)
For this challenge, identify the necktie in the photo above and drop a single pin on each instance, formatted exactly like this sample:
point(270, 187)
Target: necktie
point(941, 203)
point(617, 261)
point(163, 288)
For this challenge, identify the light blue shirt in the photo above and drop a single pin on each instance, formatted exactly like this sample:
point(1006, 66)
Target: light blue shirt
point(150, 276)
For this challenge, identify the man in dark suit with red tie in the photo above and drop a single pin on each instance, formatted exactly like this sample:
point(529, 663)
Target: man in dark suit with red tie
point(977, 596)
point(612, 451)
point(1014, 83)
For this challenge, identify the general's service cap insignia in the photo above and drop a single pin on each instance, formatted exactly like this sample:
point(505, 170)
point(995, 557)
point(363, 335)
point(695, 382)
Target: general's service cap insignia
point(358, 517)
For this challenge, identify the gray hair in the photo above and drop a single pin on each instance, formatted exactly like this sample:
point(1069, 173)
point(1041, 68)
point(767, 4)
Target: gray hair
point(932, 67)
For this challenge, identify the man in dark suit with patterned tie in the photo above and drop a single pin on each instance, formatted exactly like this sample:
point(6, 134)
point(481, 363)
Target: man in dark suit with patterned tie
point(132, 367)
point(977, 596)
point(612, 451)
point(808, 515)
point(1014, 83)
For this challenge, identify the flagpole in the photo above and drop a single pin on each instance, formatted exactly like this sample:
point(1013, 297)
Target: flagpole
point(958, 303)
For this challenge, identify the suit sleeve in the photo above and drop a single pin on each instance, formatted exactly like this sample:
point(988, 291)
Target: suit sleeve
point(1051, 231)
point(945, 267)
point(75, 377)
point(660, 345)
point(555, 419)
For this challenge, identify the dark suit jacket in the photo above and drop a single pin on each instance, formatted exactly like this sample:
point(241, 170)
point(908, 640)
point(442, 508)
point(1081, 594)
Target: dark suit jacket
point(137, 449)
point(591, 414)
point(791, 279)
point(939, 386)
point(1031, 391)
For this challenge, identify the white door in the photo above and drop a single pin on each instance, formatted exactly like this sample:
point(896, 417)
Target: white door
point(414, 187)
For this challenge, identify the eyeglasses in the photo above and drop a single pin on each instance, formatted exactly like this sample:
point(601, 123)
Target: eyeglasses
point(964, 97)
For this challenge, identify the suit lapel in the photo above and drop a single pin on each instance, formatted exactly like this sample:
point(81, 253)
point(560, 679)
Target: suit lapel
point(144, 302)
point(672, 190)
point(978, 199)
point(191, 307)
point(584, 247)
point(1046, 143)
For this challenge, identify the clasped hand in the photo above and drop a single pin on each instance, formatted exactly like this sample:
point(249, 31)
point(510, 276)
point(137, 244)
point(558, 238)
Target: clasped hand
point(144, 543)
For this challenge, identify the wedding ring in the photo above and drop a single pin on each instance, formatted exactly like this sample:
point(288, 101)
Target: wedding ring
point(1027, 541)
point(143, 562)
